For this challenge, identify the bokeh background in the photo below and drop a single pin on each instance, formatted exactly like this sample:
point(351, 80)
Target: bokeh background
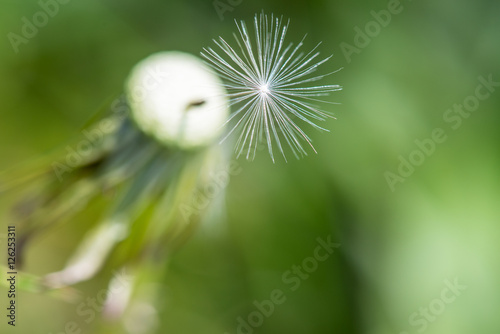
point(398, 247)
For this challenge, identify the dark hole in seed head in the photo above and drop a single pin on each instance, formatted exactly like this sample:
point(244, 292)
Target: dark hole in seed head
point(197, 103)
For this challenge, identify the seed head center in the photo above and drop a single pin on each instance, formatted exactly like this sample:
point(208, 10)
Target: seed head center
point(264, 89)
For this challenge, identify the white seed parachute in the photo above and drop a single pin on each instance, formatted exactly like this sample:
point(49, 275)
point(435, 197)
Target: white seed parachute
point(270, 87)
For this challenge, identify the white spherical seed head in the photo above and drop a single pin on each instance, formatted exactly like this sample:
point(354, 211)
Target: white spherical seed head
point(177, 99)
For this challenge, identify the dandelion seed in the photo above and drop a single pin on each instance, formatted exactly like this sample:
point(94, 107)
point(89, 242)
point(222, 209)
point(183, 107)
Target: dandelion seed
point(269, 86)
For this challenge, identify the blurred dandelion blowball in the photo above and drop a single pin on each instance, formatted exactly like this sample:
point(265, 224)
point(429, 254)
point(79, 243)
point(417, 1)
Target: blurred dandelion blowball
point(177, 99)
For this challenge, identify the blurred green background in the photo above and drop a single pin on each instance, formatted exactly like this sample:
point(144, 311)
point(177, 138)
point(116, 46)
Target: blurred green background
point(399, 247)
